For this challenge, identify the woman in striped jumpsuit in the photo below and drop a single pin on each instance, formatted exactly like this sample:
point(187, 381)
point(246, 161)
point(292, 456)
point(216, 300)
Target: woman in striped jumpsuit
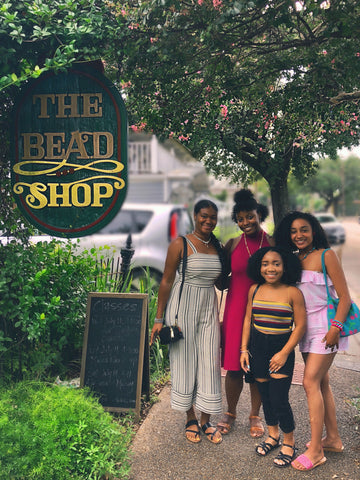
point(195, 359)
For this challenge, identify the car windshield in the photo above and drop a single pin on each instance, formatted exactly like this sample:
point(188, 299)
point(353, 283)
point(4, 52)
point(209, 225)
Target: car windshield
point(326, 218)
point(128, 221)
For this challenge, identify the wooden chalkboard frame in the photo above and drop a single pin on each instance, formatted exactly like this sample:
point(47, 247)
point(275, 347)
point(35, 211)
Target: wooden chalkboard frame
point(142, 374)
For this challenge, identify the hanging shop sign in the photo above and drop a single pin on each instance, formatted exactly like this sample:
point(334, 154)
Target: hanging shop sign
point(69, 165)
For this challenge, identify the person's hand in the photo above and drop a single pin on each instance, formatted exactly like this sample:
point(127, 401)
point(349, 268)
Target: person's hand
point(155, 332)
point(332, 338)
point(277, 361)
point(244, 361)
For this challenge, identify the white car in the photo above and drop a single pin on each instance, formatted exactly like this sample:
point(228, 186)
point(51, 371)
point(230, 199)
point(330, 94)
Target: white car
point(335, 232)
point(152, 227)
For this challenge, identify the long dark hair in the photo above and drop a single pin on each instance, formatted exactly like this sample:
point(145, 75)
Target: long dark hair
point(282, 233)
point(246, 202)
point(291, 262)
point(205, 203)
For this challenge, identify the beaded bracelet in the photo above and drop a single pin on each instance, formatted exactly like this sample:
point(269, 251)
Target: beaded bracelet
point(158, 320)
point(337, 324)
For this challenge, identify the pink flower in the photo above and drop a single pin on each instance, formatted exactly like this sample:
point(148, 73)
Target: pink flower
point(200, 2)
point(217, 4)
point(324, 52)
point(224, 110)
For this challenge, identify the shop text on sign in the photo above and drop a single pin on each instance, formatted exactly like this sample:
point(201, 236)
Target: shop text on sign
point(70, 153)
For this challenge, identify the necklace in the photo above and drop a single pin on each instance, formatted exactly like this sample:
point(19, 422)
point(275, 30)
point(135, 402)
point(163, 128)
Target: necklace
point(308, 253)
point(203, 241)
point(261, 242)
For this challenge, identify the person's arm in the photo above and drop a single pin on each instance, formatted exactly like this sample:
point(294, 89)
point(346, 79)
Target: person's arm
point(299, 312)
point(244, 350)
point(336, 273)
point(173, 258)
point(223, 280)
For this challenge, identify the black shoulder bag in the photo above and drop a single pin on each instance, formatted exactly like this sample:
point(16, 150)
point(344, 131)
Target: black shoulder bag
point(172, 333)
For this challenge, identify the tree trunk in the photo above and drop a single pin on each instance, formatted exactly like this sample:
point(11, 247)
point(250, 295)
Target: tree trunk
point(279, 199)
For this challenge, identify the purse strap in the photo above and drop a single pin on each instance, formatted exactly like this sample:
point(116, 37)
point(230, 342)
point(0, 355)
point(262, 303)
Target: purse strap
point(324, 271)
point(183, 276)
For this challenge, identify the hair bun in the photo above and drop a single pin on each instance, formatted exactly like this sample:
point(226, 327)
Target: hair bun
point(243, 195)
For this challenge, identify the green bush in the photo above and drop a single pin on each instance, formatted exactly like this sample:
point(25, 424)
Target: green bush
point(43, 293)
point(50, 432)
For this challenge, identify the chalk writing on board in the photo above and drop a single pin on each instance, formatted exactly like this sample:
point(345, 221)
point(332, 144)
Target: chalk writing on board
point(114, 345)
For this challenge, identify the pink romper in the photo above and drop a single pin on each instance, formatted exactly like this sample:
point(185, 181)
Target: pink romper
point(313, 288)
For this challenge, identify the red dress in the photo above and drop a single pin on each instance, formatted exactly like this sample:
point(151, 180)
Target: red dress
point(236, 300)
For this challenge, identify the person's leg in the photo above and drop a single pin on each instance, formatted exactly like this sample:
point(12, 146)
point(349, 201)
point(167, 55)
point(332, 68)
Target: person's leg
point(256, 426)
point(316, 368)
point(279, 387)
point(272, 441)
point(233, 389)
point(332, 438)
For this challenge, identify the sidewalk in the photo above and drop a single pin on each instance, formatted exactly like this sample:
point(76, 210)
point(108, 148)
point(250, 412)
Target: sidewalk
point(161, 451)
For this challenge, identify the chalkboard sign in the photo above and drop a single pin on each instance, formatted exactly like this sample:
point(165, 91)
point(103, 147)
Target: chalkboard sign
point(114, 350)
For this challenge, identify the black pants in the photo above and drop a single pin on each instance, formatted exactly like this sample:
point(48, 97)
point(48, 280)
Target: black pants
point(274, 391)
point(275, 399)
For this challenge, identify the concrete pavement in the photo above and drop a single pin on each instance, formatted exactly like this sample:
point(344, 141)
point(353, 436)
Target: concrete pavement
point(161, 451)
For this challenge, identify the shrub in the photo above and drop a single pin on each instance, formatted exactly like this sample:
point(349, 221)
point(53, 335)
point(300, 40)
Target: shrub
point(43, 292)
point(52, 432)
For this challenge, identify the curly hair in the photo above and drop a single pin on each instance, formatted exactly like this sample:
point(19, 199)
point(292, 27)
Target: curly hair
point(292, 265)
point(245, 202)
point(282, 233)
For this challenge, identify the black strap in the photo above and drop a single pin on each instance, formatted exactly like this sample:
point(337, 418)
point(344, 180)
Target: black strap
point(183, 276)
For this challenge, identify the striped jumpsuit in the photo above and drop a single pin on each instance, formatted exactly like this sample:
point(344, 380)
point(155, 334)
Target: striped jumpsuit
point(195, 360)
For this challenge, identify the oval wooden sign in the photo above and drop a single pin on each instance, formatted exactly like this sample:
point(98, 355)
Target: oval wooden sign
point(69, 165)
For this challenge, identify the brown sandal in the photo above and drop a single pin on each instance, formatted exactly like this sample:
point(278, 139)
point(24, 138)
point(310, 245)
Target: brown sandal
point(225, 427)
point(256, 431)
point(195, 434)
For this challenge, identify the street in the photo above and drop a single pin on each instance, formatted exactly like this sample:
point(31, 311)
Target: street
point(351, 256)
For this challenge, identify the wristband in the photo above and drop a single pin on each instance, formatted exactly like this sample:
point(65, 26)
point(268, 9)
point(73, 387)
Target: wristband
point(337, 324)
point(159, 320)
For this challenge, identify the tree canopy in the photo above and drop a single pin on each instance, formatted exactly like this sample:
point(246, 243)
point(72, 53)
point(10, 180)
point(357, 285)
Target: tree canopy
point(253, 88)
point(249, 87)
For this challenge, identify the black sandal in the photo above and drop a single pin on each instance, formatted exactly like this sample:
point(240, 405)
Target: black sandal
point(196, 438)
point(267, 447)
point(287, 459)
point(210, 435)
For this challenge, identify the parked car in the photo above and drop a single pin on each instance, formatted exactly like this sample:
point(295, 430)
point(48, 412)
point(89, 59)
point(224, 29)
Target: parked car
point(335, 232)
point(152, 228)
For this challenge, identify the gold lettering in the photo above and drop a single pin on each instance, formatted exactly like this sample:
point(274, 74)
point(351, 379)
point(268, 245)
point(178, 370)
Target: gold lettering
point(86, 194)
point(43, 103)
point(109, 144)
point(29, 146)
point(72, 106)
point(54, 196)
point(79, 139)
point(98, 195)
point(51, 146)
point(35, 189)
point(91, 105)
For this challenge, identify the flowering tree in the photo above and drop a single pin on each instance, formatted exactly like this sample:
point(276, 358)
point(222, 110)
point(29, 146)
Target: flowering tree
point(251, 88)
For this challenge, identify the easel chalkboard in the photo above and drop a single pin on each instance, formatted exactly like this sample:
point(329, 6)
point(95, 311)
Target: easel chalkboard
point(115, 358)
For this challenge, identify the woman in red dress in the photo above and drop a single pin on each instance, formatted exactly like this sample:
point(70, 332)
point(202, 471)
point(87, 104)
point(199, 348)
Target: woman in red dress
point(248, 214)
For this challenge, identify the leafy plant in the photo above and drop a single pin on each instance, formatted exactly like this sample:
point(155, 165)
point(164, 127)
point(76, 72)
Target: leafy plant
point(43, 293)
point(53, 432)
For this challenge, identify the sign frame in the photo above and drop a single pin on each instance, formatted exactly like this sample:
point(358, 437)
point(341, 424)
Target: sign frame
point(143, 372)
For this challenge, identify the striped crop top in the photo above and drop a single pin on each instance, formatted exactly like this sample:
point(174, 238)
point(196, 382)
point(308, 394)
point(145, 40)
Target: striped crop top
point(272, 317)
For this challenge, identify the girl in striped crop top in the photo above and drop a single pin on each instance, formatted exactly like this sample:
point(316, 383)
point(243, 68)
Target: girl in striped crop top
point(276, 319)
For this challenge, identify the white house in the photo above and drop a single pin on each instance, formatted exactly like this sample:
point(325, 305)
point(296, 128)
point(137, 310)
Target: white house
point(163, 171)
